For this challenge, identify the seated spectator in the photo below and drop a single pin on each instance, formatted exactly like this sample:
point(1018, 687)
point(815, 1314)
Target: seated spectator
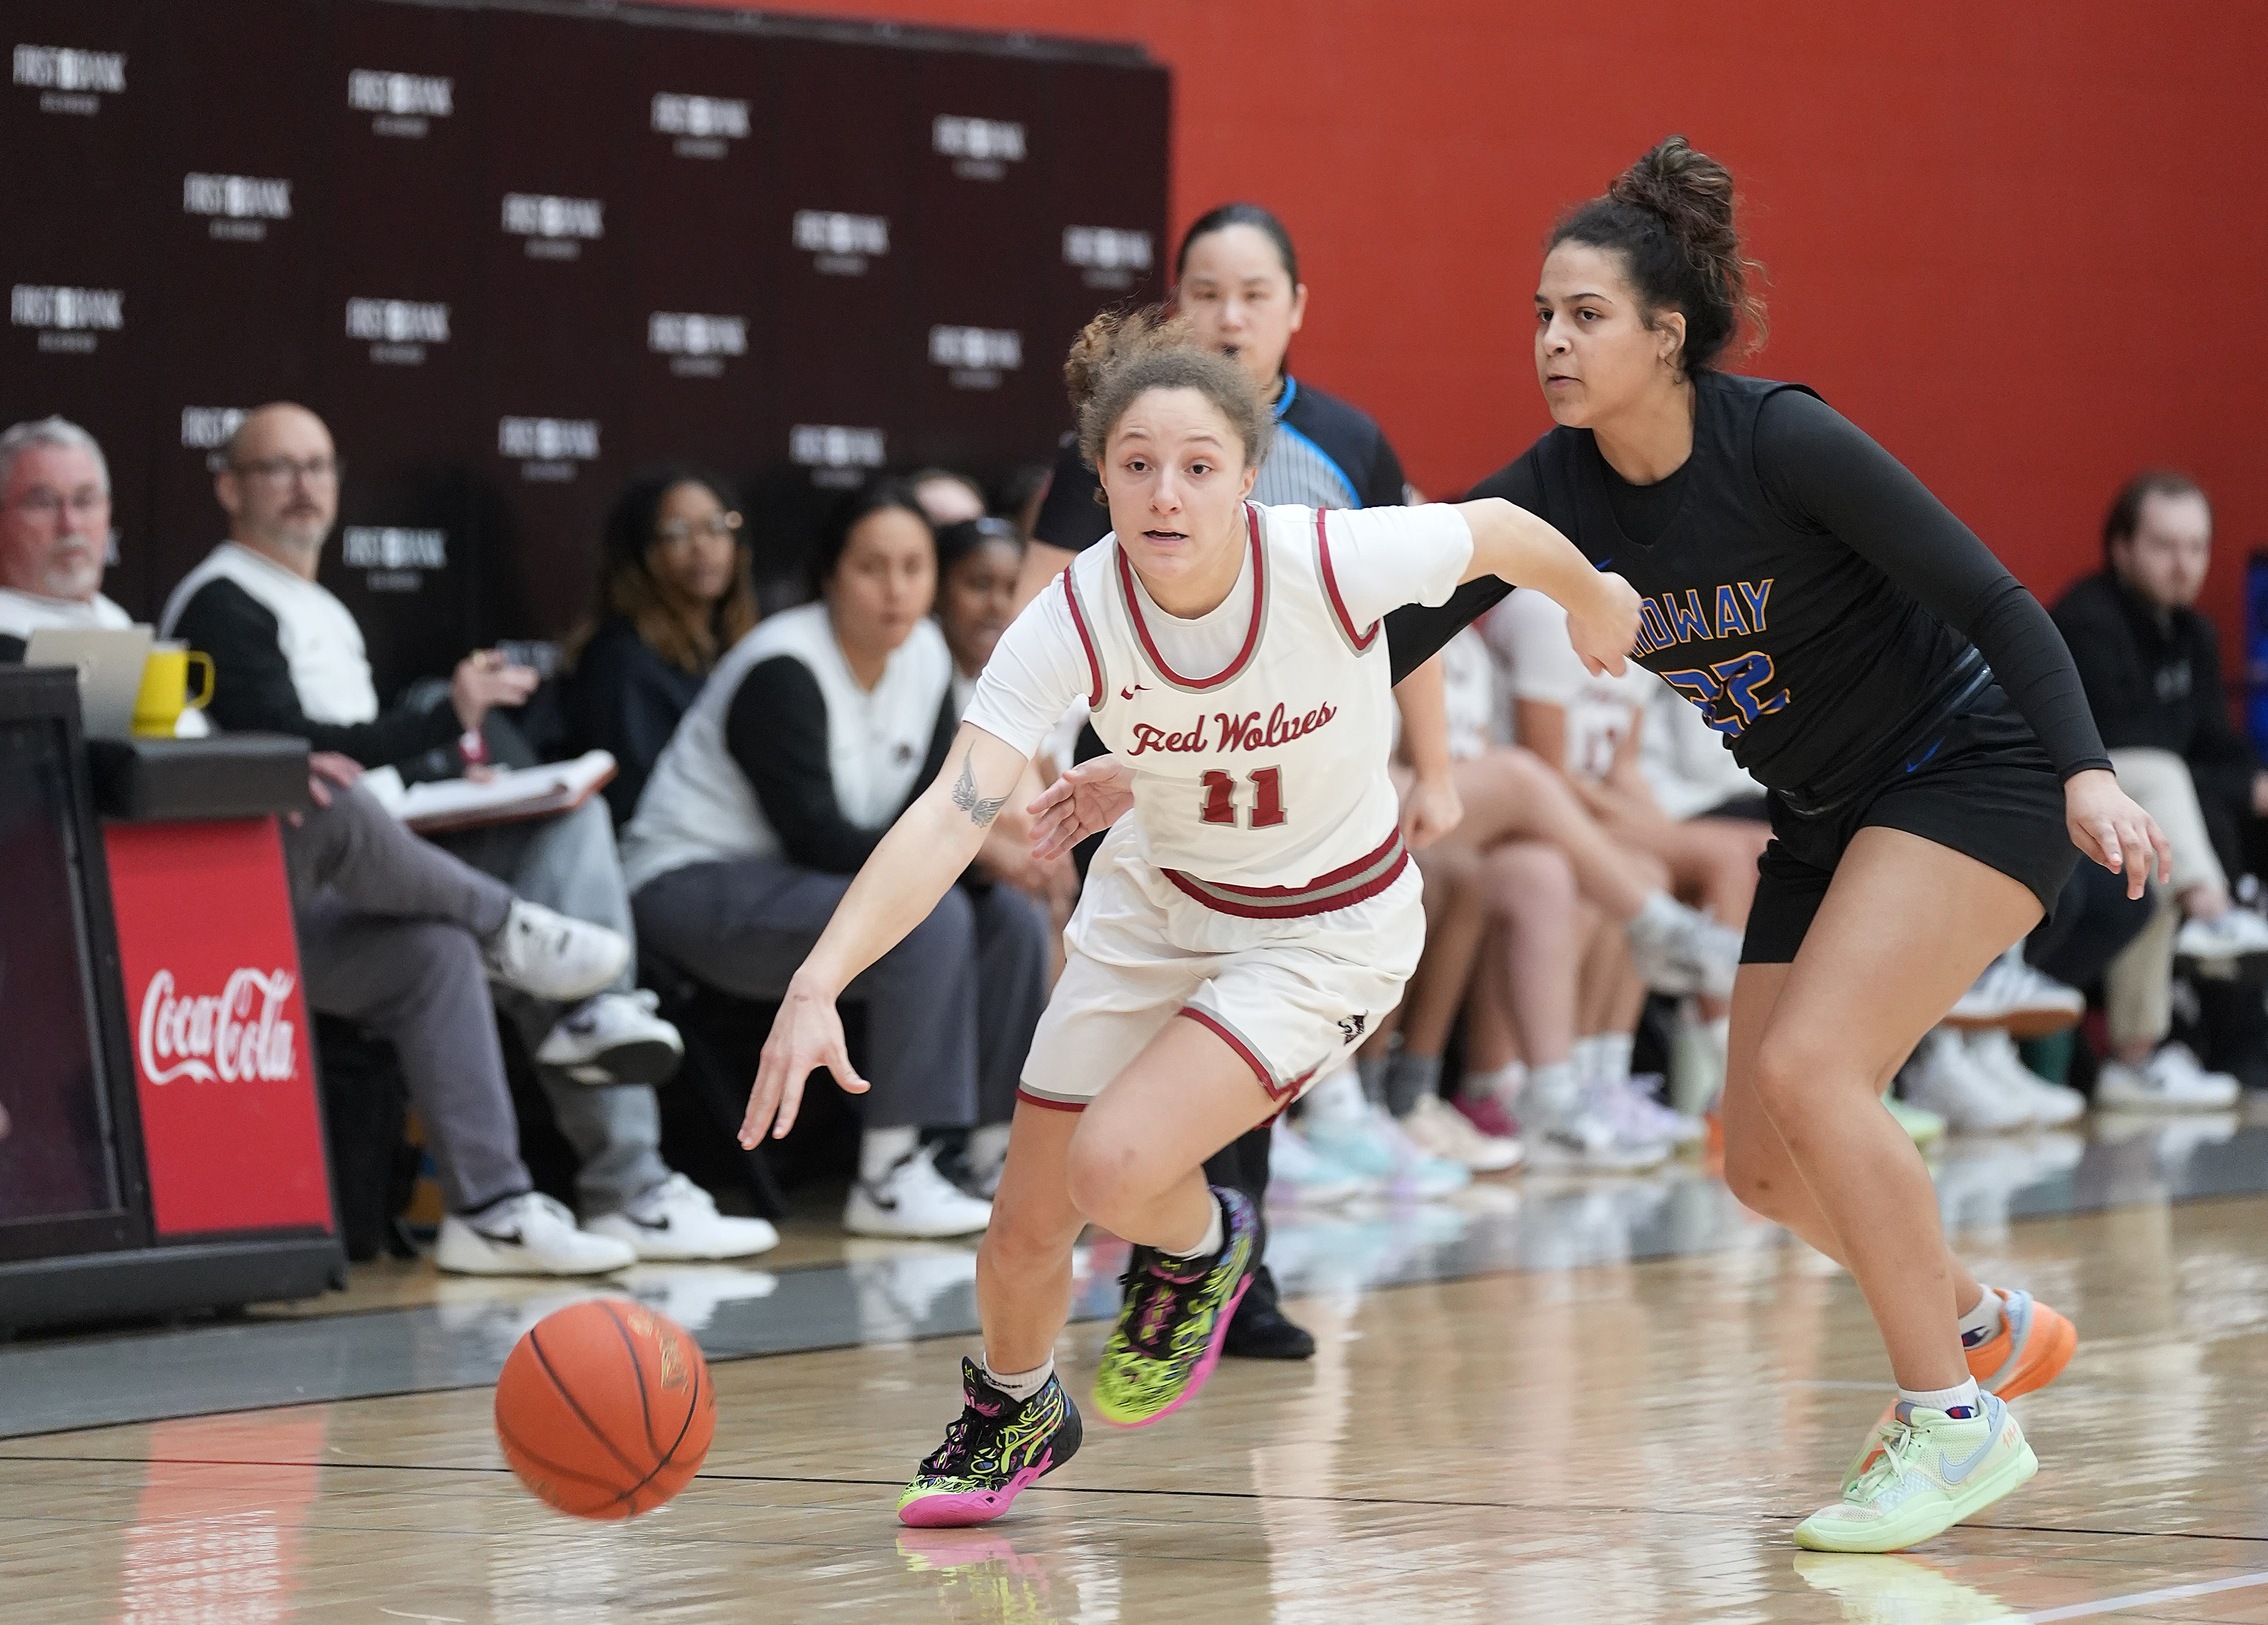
point(2152, 668)
point(673, 594)
point(393, 933)
point(288, 658)
point(810, 738)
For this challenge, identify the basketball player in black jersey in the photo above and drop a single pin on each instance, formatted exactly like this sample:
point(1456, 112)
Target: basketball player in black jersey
point(1933, 768)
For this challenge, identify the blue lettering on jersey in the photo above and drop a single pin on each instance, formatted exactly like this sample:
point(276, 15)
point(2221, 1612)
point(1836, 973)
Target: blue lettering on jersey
point(1666, 620)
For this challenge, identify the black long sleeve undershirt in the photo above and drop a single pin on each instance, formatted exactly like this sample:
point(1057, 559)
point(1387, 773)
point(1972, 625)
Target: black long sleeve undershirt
point(1823, 473)
point(253, 690)
point(776, 731)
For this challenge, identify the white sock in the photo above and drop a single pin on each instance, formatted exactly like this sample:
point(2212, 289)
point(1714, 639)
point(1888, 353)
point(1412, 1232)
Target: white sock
point(1981, 1324)
point(1552, 1091)
point(1720, 1034)
point(882, 1149)
point(1338, 1098)
point(1216, 1233)
point(1611, 1056)
point(1657, 916)
point(1948, 1400)
point(1498, 1083)
point(1020, 1385)
point(988, 1146)
point(1584, 1056)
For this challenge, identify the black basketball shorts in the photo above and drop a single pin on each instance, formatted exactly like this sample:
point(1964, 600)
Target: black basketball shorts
point(1985, 788)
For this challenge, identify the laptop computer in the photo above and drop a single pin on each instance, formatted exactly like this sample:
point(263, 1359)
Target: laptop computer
point(109, 662)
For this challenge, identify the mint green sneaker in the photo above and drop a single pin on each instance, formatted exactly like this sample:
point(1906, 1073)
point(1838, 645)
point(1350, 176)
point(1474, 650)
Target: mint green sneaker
point(1170, 1328)
point(1924, 1472)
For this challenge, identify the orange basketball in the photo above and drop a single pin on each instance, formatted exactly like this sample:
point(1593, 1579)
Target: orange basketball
point(604, 1409)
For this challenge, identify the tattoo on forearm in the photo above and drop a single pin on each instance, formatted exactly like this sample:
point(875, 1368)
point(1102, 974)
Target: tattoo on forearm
point(982, 810)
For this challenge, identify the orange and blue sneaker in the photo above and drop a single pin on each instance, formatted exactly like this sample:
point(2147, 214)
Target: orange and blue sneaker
point(2029, 1351)
point(1171, 1326)
point(996, 1450)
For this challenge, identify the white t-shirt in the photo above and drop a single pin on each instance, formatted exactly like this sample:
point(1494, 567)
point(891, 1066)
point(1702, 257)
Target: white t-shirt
point(23, 613)
point(1258, 732)
point(1528, 633)
point(330, 669)
point(1686, 763)
point(1469, 692)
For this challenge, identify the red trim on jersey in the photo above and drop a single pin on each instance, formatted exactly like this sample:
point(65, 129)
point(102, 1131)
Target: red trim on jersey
point(1259, 1067)
point(1086, 639)
point(1251, 636)
point(1361, 640)
point(1030, 1099)
point(1296, 902)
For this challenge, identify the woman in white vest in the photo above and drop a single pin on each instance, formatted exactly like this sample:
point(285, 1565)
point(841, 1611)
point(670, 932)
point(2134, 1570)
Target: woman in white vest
point(808, 739)
point(1231, 656)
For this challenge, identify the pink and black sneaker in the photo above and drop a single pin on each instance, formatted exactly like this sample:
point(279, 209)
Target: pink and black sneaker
point(997, 1449)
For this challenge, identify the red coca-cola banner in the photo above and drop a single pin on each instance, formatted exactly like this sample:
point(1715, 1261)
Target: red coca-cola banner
point(222, 1051)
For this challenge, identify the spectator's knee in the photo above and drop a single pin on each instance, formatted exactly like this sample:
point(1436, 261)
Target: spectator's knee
point(1531, 876)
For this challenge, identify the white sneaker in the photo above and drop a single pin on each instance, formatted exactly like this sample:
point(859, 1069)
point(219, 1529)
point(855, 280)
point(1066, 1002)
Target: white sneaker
point(2012, 995)
point(1299, 1174)
point(1439, 1129)
point(1585, 1141)
point(526, 1235)
point(677, 1220)
point(1372, 1143)
point(613, 1038)
point(1993, 1052)
point(1641, 1117)
point(1681, 950)
point(913, 1200)
point(1942, 1078)
point(2229, 936)
point(2173, 1080)
point(551, 956)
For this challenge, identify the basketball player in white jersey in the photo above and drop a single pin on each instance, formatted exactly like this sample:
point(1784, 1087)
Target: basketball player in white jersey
point(1233, 660)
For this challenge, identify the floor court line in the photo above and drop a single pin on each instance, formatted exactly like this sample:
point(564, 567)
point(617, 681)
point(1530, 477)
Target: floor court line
point(2143, 1599)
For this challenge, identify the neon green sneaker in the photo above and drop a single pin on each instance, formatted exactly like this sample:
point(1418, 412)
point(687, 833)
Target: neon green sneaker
point(1922, 1126)
point(1926, 1472)
point(1170, 1328)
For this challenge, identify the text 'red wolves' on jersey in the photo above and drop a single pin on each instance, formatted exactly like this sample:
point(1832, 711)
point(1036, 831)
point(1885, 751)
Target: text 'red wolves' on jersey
point(1258, 733)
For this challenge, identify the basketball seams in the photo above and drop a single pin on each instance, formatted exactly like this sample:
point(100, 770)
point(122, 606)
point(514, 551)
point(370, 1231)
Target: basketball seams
point(535, 1343)
point(638, 1372)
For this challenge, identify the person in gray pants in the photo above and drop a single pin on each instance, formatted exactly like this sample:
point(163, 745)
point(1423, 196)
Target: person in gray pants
point(406, 938)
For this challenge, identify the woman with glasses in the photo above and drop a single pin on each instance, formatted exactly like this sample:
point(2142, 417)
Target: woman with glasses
point(673, 595)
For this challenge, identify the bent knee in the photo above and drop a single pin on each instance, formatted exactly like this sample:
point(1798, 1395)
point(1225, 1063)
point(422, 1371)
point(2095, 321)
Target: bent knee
point(1107, 1176)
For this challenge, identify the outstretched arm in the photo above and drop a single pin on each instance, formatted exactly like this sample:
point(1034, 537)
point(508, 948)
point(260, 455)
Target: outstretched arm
point(924, 853)
point(1514, 545)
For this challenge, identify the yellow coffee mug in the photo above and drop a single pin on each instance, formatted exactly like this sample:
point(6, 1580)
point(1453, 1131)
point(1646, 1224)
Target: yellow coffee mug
point(165, 689)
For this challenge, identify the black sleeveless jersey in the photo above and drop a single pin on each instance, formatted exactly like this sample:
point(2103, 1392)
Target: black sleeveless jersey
point(1807, 644)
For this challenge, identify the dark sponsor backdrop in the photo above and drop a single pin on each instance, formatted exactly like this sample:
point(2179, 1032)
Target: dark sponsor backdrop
point(513, 252)
point(81, 279)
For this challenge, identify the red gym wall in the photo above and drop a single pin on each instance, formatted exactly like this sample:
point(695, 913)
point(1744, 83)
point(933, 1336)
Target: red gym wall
point(2021, 245)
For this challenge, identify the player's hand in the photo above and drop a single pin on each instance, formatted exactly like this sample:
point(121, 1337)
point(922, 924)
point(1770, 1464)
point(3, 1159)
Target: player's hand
point(2107, 825)
point(1086, 799)
point(1431, 808)
point(807, 1034)
point(1605, 629)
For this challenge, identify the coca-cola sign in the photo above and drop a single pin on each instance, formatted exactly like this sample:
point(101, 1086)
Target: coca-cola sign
point(241, 1036)
point(224, 1073)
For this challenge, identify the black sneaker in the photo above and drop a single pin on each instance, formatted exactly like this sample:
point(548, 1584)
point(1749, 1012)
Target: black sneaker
point(1258, 1329)
point(996, 1449)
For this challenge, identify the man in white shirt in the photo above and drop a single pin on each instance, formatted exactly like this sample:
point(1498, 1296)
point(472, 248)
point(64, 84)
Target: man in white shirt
point(289, 658)
point(54, 532)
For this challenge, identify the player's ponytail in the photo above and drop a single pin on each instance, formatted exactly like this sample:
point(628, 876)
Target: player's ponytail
point(1670, 217)
point(1121, 355)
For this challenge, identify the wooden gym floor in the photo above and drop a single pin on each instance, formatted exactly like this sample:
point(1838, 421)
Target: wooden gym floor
point(1555, 1439)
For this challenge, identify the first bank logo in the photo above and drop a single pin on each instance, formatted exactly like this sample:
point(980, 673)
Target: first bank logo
point(403, 105)
point(397, 330)
point(394, 557)
point(555, 227)
point(702, 126)
point(240, 1036)
point(839, 455)
point(1106, 256)
point(237, 208)
point(981, 148)
point(207, 428)
point(841, 244)
point(696, 344)
point(69, 321)
point(975, 357)
point(549, 450)
point(70, 80)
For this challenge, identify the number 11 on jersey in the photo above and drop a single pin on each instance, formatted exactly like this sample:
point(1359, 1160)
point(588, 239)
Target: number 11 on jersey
point(1267, 797)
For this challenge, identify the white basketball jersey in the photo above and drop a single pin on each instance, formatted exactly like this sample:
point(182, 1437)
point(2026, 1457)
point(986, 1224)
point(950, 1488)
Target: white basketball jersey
point(1260, 788)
